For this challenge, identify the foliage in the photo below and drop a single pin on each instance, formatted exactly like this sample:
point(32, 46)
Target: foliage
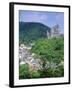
point(51, 51)
point(24, 71)
point(34, 74)
point(30, 32)
point(51, 55)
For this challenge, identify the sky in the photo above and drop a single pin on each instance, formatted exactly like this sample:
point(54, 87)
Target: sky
point(48, 18)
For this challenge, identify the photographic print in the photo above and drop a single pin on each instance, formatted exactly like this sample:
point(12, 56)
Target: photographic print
point(41, 44)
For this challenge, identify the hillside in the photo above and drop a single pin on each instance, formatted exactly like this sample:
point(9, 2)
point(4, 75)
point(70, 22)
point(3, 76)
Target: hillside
point(32, 31)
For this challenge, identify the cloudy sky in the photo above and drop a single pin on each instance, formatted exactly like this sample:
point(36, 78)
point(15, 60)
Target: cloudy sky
point(48, 18)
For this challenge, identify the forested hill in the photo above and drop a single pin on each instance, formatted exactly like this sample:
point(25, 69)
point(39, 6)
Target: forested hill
point(31, 31)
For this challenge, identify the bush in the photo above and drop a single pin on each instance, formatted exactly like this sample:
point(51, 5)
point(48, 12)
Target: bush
point(35, 74)
point(24, 71)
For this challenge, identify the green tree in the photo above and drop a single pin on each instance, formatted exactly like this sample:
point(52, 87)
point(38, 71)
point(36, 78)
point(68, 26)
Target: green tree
point(24, 71)
point(52, 51)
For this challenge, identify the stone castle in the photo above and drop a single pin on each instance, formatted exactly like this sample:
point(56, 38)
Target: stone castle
point(54, 32)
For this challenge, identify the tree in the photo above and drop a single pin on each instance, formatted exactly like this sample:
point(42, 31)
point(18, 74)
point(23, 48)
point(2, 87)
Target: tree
point(50, 51)
point(24, 71)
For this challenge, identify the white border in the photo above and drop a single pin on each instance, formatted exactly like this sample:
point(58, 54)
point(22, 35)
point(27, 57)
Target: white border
point(16, 46)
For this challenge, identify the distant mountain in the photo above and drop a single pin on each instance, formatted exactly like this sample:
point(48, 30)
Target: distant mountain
point(31, 31)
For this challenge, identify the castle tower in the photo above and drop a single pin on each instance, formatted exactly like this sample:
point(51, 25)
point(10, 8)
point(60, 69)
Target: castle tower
point(55, 31)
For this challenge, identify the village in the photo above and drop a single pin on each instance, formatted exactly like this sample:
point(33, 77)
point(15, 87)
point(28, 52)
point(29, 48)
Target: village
point(26, 57)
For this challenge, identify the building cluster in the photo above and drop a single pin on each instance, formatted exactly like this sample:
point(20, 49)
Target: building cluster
point(25, 57)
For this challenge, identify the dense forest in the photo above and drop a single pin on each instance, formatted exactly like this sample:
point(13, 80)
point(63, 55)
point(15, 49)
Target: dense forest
point(30, 32)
